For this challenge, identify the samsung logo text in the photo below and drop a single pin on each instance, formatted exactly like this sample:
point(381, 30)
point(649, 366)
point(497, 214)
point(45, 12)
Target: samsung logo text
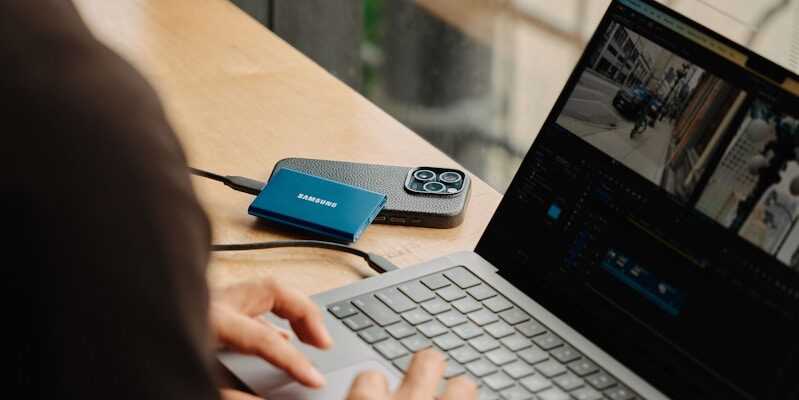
point(316, 200)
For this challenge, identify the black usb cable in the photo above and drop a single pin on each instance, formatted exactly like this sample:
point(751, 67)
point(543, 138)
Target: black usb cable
point(234, 182)
point(377, 263)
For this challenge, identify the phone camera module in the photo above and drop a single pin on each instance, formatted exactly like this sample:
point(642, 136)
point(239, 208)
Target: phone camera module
point(434, 187)
point(450, 177)
point(436, 181)
point(424, 175)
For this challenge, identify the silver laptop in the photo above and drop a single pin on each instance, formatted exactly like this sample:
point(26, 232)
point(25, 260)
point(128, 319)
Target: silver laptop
point(647, 247)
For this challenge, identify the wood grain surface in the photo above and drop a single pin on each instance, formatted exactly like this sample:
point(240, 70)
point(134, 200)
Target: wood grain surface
point(241, 99)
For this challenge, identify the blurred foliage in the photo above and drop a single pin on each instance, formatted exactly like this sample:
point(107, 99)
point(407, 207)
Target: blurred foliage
point(372, 38)
point(372, 15)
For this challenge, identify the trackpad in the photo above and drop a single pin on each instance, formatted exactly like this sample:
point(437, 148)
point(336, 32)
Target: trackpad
point(338, 384)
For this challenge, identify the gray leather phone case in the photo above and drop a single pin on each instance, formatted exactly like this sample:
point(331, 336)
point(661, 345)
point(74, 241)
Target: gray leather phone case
point(402, 207)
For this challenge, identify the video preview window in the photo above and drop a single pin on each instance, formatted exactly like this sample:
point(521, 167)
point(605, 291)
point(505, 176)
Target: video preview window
point(754, 189)
point(668, 119)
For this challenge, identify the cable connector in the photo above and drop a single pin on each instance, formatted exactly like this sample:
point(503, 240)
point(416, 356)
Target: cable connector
point(245, 185)
point(238, 183)
point(380, 262)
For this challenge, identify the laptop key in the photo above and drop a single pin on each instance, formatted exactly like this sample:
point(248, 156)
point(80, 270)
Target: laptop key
point(586, 393)
point(531, 328)
point(601, 381)
point(535, 383)
point(477, 381)
point(432, 329)
point(514, 316)
point(358, 322)
point(483, 317)
point(451, 293)
point(499, 329)
point(500, 356)
point(415, 343)
point(467, 331)
point(487, 394)
point(548, 341)
point(416, 317)
point(401, 330)
point(396, 300)
point(518, 370)
point(390, 349)
point(497, 304)
point(583, 367)
point(435, 282)
point(550, 368)
point(467, 305)
point(516, 342)
point(568, 382)
point(533, 355)
point(343, 310)
point(553, 394)
point(619, 393)
point(453, 370)
point(416, 291)
point(403, 362)
point(376, 310)
point(464, 354)
point(373, 335)
point(448, 342)
point(484, 343)
point(516, 393)
point(481, 368)
point(481, 292)
point(498, 381)
point(436, 306)
point(462, 277)
point(451, 318)
point(565, 354)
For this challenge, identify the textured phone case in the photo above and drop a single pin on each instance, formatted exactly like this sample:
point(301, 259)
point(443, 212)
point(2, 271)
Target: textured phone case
point(402, 207)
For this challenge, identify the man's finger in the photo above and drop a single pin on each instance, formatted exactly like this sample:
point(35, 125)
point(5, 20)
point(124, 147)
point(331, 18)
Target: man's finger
point(369, 385)
point(421, 379)
point(230, 394)
point(460, 388)
point(266, 294)
point(285, 333)
point(246, 296)
point(246, 335)
point(301, 312)
point(282, 332)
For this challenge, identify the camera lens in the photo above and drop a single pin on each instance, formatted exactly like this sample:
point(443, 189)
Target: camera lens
point(450, 177)
point(424, 175)
point(434, 187)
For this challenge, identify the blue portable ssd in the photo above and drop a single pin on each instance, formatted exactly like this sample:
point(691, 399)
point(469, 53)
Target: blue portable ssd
point(319, 205)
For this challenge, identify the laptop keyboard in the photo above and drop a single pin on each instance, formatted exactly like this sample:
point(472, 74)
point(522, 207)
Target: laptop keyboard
point(509, 354)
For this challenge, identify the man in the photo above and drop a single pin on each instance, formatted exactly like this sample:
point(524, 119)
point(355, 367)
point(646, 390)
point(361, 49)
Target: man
point(107, 297)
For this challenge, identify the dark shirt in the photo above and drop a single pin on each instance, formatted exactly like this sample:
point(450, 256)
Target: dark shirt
point(106, 244)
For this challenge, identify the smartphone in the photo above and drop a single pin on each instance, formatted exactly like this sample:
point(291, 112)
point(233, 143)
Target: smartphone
point(432, 197)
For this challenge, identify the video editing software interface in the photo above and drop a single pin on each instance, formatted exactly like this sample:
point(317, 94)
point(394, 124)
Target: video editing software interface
point(658, 210)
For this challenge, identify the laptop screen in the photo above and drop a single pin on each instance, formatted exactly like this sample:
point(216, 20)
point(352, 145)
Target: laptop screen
point(657, 211)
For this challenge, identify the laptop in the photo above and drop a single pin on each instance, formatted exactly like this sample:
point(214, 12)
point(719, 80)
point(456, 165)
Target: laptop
point(647, 247)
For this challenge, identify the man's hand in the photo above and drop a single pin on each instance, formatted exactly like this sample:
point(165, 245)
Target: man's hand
point(420, 383)
point(235, 313)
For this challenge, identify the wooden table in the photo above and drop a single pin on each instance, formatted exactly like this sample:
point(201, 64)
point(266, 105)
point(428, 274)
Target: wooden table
point(241, 99)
